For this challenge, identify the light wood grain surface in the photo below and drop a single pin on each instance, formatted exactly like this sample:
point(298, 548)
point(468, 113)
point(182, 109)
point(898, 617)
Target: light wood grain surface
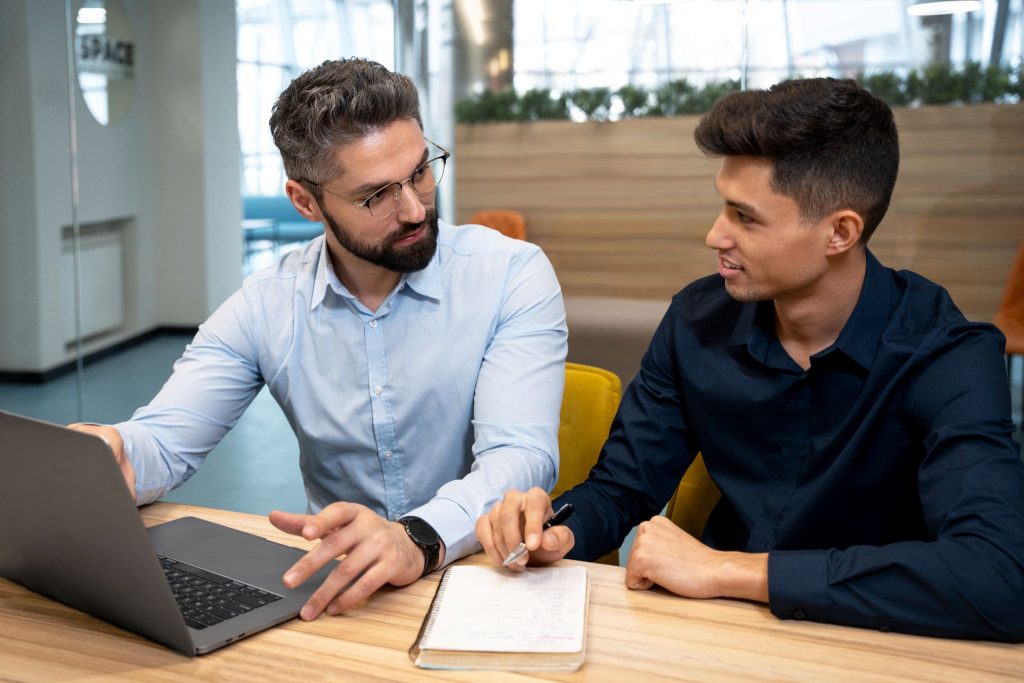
point(632, 636)
point(622, 208)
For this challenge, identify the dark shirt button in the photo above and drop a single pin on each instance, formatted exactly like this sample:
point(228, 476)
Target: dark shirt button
point(799, 614)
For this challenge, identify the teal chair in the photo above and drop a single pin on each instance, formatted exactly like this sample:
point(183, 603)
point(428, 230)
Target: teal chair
point(273, 219)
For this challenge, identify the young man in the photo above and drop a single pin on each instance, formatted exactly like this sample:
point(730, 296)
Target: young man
point(420, 365)
point(857, 425)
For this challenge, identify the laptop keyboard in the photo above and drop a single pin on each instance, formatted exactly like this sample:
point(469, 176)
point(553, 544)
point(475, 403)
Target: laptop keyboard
point(205, 598)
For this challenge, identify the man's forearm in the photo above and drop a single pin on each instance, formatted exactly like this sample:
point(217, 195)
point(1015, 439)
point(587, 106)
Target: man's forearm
point(744, 575)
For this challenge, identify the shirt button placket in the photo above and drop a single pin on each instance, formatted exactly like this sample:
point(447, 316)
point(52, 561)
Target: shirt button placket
point(383, 420)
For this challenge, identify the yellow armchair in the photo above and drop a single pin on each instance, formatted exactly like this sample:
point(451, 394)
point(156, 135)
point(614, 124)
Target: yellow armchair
point(694, 499)
point(589, 403)
point(591, 398)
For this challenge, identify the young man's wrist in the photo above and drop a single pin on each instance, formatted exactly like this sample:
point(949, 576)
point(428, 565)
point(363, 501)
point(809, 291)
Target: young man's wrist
point(744, 575)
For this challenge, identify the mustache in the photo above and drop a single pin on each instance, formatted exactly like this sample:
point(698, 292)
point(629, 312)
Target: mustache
point(407, 229)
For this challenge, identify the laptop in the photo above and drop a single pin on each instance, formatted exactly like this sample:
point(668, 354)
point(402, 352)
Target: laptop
point(69, 529)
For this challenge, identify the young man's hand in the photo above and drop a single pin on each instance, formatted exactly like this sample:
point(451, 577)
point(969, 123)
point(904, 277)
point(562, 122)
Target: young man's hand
point(520, 516)
point(371, 551)
point(665, 555)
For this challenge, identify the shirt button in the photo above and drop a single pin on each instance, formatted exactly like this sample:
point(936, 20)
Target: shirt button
point(387, 455)
point(378, 390)
point(373, 323)
point(799, 614)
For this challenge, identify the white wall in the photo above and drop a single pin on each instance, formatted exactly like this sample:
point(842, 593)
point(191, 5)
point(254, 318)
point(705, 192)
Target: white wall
point(170, 168)
point(19, 323)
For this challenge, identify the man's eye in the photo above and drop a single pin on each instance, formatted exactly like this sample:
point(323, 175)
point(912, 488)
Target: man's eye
point(420, 172)
point(743, 218)
point(377, 198)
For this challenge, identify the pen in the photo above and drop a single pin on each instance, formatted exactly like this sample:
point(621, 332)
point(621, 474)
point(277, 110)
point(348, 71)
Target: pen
point(560, 517)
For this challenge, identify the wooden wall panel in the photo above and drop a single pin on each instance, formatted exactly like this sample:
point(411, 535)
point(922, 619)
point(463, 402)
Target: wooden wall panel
point(622, 208)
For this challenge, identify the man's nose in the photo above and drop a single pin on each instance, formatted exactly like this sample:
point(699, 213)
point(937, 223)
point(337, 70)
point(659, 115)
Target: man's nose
point(410, 205)
point(718, 236)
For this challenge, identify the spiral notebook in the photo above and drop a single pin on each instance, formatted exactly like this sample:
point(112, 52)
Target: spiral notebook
point(491, 618)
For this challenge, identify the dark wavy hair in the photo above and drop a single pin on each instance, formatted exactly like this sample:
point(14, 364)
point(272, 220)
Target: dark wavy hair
point(335, 104)
point(832, 144)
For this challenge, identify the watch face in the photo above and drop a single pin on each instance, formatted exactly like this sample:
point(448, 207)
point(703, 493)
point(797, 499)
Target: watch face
point(421, 532)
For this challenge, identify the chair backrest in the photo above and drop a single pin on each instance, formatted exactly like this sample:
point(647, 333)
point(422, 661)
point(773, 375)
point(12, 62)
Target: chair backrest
point(276, 207)
point(507, 222)
point(589, 403)
point(694, 499)
point(1010, 316)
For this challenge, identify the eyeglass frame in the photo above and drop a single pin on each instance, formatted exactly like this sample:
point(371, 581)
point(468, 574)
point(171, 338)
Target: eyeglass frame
point(365, 204)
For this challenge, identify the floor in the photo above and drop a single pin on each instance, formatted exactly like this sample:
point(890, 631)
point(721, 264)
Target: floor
point(254, 469)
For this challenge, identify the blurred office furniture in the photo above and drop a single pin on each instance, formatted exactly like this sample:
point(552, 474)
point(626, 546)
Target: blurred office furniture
point(270, 221)
point(694, 499)
point(611, 332)
point(622, 208)
point(589, 403)
point(507, 222)
point(1010, 316)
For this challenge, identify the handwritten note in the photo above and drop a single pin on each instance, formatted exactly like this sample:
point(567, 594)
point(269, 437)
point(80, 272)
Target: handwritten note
point(486, 609)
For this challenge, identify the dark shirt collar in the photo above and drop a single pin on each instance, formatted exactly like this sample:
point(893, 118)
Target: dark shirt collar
point(755, 326)
point(862, 333)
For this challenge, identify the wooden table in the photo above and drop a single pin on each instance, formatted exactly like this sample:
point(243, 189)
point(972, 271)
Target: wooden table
point(633, 636)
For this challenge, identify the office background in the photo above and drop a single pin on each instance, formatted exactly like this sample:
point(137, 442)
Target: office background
point(122, 192)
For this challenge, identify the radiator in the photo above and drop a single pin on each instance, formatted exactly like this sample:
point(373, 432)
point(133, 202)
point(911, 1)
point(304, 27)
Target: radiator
point(102, 285)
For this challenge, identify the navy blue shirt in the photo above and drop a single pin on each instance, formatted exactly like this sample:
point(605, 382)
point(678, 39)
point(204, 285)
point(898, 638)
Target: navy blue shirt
point(883, 481)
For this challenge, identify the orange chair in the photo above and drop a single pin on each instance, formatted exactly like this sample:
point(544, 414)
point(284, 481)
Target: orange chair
point(1010, 316)
point(507, 222)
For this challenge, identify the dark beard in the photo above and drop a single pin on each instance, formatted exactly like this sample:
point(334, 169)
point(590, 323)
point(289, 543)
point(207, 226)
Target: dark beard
point(385, 254)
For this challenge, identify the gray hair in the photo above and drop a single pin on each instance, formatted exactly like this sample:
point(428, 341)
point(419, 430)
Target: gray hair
point(333, 105)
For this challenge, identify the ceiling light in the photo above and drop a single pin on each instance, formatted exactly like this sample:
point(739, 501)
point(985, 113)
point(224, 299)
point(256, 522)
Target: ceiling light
point(930, 8)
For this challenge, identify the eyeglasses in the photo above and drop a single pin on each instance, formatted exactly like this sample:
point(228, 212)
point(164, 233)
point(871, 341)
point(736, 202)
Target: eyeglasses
point(385, 201)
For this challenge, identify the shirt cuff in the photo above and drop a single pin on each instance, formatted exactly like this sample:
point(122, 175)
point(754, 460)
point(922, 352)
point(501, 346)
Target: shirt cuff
point(798, 584)
point(136, 442)
point(456, 529)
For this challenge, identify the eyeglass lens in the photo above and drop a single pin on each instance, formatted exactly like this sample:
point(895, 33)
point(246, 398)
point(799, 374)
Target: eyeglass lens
point(424, 181)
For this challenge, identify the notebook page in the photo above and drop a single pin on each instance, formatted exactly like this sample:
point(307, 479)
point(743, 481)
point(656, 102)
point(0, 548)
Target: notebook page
point(486, 609)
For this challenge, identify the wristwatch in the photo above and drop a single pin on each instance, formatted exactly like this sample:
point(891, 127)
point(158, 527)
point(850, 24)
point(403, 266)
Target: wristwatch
point(426, 539)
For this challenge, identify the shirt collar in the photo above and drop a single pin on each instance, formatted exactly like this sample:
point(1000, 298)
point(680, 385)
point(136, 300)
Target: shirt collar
point(755, 326)
point(860, 336)
point(426, 282)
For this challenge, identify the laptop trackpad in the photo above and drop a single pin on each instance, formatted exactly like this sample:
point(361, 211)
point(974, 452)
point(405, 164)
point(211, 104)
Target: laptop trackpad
point(230, 552)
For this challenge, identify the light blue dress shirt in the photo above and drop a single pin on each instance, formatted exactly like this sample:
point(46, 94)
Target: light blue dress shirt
point(433, 405)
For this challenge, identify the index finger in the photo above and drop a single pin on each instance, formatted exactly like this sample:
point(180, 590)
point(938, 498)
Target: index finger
point(334, 516)
point(536, 509)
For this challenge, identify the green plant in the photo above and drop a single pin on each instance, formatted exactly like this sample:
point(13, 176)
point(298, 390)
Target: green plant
point(672, 98)
point(943, 84)
point(595, 103)
point(490, 105)
point(702, 100)
point(887, 86)
point(540, 105)
point(635, 101)
point(933, 84)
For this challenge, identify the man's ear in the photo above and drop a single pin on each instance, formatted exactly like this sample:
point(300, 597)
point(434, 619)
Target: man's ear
point(303, 201)
point(847, 227)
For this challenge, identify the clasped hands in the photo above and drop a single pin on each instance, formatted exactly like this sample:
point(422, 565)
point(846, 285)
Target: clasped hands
point(662, 554)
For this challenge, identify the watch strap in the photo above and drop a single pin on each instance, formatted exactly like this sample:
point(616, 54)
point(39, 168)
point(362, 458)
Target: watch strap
point(431, 550)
